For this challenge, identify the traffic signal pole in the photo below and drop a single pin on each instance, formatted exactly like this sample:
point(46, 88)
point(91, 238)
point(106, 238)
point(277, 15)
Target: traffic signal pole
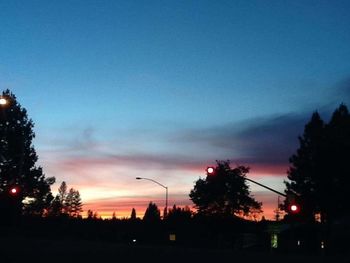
point(268, 188)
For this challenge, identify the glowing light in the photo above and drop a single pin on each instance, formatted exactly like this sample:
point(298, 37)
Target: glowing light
point(294, 208)
point(210, 170)
point(14, 190)
point(274, 240)
point(3, 101)
point(322, 244)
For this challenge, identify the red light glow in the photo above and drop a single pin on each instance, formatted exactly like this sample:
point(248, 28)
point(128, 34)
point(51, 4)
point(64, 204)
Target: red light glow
point(14, 190)
point(210, 170)
point(294, 208)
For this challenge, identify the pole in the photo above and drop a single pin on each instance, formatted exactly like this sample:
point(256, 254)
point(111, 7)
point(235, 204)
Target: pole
point(166, 192)
point(166, 202)
point(273, 190)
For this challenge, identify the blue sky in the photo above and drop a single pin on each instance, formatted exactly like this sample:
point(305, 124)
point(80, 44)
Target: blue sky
point(161, 88)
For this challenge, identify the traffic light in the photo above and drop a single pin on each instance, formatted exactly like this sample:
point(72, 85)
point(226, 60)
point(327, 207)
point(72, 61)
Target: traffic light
point(210, 170)
point(14, 190)
point(294, 208)
point(293, 203)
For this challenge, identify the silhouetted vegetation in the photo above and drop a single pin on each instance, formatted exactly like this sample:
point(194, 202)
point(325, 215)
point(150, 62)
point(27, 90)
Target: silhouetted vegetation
point(66, 203)
point(18, 163)
point(152, 213)
point(133, 214)
point(224, 192)
point(319, 179)
point(319, 172)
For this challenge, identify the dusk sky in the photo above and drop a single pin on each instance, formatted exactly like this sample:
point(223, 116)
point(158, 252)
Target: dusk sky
point(162, 89)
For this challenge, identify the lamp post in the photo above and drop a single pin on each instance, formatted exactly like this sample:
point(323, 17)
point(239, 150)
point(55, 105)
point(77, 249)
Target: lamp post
point(166, 192)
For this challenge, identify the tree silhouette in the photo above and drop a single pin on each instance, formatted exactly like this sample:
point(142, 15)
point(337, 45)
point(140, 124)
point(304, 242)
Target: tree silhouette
point(66, 202)
point(133, 214)
point(177, 214)
point(114, 216)
point(90, 214)
point(73, 204)
point(152, 213)
point(18, 161)
point(224, 193)
point(319, 169)
point(306, 168)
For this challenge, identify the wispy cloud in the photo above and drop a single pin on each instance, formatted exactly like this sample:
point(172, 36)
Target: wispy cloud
point(264, 144)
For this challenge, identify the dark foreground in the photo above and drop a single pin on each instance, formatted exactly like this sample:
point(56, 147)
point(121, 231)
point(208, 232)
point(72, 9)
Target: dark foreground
point(37, 249)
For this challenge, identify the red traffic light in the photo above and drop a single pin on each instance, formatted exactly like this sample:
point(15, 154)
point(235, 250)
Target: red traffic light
point(14, 190)
point(210, 170)
point(294, 208)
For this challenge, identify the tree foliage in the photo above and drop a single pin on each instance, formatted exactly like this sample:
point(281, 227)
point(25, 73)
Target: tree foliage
point(133, 214)
point(152, 213)
point(73, 203)
point(319, 171)
point(18, 159)
point(177, 214)
point(224, 193)
point(66, 202)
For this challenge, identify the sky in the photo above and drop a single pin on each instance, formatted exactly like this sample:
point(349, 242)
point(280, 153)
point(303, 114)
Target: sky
point(162, 89)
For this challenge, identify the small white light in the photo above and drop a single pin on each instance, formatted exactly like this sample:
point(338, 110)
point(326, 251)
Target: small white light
point(134, 240)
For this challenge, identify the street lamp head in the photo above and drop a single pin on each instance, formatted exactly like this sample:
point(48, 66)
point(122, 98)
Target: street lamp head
point(138, 178)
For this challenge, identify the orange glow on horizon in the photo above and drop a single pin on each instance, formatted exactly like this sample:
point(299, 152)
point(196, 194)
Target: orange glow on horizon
point(122, 209)
point(116, 190)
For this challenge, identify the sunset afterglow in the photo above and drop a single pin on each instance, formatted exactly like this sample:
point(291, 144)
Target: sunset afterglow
point(163, 89)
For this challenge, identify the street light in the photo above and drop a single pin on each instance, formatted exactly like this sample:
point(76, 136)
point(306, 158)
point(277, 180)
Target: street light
point(166, 192)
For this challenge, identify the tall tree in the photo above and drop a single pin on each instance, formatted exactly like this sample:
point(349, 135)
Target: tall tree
point(73, 203)
point(306, 168)
point(224, 192)
point(133, 214)
point(336, 177)
point(319, 170)
point(62, 197)
point(66, 202)
point(152, 213)
point(18, 160)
